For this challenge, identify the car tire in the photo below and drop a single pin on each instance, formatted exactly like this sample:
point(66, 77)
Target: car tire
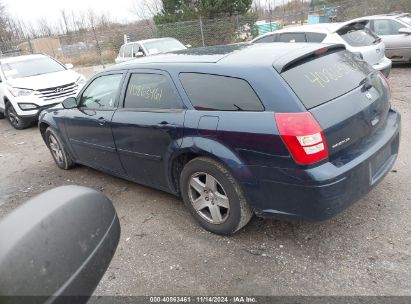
point(58, 151)
point(17, 122)
point(1, 115)
point(214, 197)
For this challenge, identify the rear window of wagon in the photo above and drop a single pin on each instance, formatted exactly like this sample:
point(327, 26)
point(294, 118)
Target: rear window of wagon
point(325, 78)
point(209, 92)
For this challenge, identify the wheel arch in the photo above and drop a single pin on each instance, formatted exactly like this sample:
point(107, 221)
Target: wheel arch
point(43, 126)
point(206, 147)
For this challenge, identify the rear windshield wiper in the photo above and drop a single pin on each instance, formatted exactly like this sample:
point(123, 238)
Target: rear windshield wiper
point(238, 108)
point(377, 40)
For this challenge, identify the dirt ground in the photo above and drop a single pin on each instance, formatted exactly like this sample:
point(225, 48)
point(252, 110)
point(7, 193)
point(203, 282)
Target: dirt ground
point(363, 251)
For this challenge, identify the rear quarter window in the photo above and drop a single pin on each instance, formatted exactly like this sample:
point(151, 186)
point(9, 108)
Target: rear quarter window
point(357, 35)
point(266, 39)
point(220, 93)
point(292, 37)
point(315, 37)
point(325, 78)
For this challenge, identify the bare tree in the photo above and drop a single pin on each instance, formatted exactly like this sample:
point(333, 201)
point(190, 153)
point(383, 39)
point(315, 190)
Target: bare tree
point(145, 10)
point(44, 27)
point(64, 17)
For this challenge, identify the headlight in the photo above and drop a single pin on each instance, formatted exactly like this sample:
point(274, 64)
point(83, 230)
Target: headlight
point(81, 80)
point(27, 106)
point(16, 92)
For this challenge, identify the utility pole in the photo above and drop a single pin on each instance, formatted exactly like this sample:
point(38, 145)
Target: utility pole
point(302, 12)
point(271, 16)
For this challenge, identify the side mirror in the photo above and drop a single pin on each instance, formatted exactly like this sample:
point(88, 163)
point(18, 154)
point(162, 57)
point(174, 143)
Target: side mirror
point(69, 66)
point(189, 46)
point(58, 244)
point(405, 30)
point(70, 103)
point(138, 54)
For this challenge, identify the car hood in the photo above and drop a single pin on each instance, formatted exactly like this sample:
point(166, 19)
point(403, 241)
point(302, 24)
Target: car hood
point(45, 81)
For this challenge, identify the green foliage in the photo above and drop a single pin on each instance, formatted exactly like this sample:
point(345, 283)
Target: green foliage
point(185, 10)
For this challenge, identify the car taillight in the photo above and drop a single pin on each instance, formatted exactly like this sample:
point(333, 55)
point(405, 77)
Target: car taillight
point(303, 137)
point(387, 82)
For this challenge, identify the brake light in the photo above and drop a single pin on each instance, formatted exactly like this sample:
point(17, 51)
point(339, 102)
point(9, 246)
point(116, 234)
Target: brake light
point(303, 137)
point(387, 82)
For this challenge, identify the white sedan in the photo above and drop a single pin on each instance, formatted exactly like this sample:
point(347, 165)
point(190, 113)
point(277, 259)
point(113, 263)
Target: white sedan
point(148, 47)
point(354, 35)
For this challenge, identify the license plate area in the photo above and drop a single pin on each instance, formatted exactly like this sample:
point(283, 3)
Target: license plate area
point(377, 163)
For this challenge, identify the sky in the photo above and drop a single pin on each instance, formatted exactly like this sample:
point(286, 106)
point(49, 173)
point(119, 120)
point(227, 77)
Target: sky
point(121, 11)
point(32, 10)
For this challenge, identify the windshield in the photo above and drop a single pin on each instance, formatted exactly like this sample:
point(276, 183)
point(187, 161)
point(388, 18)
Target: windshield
point(357, 35)
point(320, 80)
point(406, 19)
point(164, 46)
point(27, 68)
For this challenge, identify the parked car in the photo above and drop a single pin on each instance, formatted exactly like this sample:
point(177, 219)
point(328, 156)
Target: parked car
point(286, 130)
point(395, 31)
point(148, 47)
point(354, 35)
point(32, 83)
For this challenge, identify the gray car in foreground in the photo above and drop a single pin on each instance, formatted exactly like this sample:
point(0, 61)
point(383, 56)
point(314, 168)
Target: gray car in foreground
point(395, 31)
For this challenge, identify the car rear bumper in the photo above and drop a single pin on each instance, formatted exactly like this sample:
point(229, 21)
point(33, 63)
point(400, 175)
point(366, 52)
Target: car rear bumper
point(384, 66)
point(324, 191)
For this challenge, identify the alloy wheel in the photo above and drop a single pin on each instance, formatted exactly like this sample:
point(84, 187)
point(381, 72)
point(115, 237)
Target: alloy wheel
point(208, 198)
point(13, 117)
point(56, 149)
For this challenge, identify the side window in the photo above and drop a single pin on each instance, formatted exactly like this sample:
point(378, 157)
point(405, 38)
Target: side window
point(220, 93)
point(151, 91)
point(292, 37)
point(315, 37)
point(128, 50)
point(121, 51)
point(136, 48)
point(395, 26)
point(101, 93)
point(265, 39)
point(386, 27)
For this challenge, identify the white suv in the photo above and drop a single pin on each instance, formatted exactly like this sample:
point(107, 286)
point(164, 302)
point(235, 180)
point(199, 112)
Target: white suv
point(356, 37)
point(32, 83)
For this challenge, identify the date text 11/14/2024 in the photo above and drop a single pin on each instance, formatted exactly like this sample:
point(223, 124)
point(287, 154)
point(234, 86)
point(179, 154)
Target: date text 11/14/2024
point(204, 299)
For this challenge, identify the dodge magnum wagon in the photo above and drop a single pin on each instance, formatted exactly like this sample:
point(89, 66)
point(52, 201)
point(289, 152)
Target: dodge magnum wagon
point(276, 130)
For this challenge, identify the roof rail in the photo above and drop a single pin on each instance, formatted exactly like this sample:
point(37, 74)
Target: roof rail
point(395, 13)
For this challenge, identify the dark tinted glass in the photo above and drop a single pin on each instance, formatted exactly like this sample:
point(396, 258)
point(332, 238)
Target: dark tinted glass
point(220, 93)
point(325, 78)
point(265, 39)
point(292, 37)
point(102, 92)
point(357, 35)
point(151, 91)
point(315, 37)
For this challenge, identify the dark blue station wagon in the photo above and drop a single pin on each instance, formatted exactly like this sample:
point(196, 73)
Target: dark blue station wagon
point(284, 130)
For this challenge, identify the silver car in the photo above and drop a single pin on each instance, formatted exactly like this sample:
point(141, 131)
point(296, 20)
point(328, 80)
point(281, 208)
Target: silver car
point(354, 35)
point(148, 47)
point(395, 31)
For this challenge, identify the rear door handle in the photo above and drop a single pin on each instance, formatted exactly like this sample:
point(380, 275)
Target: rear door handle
point(163, 124)
point(102, 121)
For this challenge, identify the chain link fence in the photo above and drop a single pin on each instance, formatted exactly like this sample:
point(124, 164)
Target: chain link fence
point(96, 46)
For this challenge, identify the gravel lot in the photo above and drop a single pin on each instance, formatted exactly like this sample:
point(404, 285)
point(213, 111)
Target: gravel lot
point(364, 251)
